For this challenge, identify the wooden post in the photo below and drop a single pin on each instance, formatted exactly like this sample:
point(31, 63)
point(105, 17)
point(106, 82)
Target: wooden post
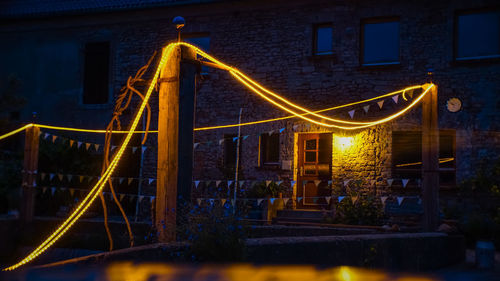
point(30, 169)
point(168, 131)
point(175, 141)
point(430, 160)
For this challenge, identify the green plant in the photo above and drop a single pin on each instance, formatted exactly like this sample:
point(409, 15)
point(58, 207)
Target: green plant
point(366, 210)
point(262, 190)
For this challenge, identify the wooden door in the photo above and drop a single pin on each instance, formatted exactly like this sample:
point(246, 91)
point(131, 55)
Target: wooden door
point(314, 170)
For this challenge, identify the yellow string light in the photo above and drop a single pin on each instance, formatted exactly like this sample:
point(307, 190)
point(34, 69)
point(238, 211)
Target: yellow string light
point(441, 161)
point(15, 131)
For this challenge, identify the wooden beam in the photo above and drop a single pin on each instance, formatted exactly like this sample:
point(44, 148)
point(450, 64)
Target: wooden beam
point(30, 170)
point(168, 132)
point(430, 160)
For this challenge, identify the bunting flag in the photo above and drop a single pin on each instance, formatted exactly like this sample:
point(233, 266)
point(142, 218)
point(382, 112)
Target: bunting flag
point(395, 98)
point(295, 127)
point(380, 104)
point(279, 183)
point(389, 182)
point(51, 176)
point(134, 149)
point(151, 199)
point(52, 190)
point(143, 149)
point(241, 183)
point(121, 197)
point(354, 199)
point(351, 113)
point(346, 182)
point(87, 146)
point(259, 201)
point(69, 177)
point(198, 201)
point(196, 183)
point(419, 202)
point(129, 181)
point(245, 137)
point(272, 200)
point(372, 183)
point(308, 126)
point(195, 145)
point(410, 93)
point(285, 200)
point(383, 199)
point(78, 144)
point(217, 183)
point(340, 198)
point(221, 141)
point(366, 108)
point(113, 147)
point(80, 178)
point(42, 176)
point(400, 200)
point(281, 130)
point(292, 183)
point(60, 177)
point(299, 199)
point(405, 182)
point(317, 182)
point(229, 183)
point(235, 138)
point(120, 180)
point(54, 138)
point(150, 180)
point(268, 183)
point(96, 146)
point(45, 136)
point(71, 142)
point(270, 132)
point(223, 201)
point(329, 183)
point(328, 199)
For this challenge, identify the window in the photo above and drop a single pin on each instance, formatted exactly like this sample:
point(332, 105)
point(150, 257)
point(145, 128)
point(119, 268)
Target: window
point(230, 146)
point(477, 35)
point(269, 149)
point(380, 42)
point(96, 73)
point(323, 40)
point(203, 42)
point(407, 156)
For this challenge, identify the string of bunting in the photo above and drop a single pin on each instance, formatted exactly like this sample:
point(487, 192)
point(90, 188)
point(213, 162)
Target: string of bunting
point(81, 192)
point(51, 177)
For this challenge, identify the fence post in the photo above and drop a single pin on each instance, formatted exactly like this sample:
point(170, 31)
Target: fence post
point(30, 171)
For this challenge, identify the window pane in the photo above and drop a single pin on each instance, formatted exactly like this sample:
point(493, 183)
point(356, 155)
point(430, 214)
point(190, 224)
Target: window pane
point(311, 156)
point(324, 40)
point(96, 73)
point(478, 35)
point(269, 146)
point(381, 43)
point(310, 144)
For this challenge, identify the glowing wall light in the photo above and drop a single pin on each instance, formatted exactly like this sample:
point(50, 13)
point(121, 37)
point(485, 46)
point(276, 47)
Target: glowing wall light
point(343, 143)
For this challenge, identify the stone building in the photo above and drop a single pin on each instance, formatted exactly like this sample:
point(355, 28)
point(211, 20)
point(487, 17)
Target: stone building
point(317, 54)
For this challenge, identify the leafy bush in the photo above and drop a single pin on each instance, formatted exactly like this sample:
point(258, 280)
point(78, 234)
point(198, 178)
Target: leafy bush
point(261, 190)
point(366, 210)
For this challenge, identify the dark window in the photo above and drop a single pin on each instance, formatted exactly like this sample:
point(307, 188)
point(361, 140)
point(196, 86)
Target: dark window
point(477, 35)
point(380, 42)
point(230, 146)
point(407, 156)
point(323, 39)
point(269, 149)
point(96, 73)
point(201, 41)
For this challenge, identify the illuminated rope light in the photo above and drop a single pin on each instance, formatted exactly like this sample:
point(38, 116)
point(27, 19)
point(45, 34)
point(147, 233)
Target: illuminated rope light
point(442, 160)
point(15, 131)
point(85, 204)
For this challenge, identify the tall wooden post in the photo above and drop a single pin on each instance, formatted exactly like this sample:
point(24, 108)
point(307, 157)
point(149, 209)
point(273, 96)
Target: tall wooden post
point(175, 141)
point(168, 132)
point(30, 169)
point(430, 160)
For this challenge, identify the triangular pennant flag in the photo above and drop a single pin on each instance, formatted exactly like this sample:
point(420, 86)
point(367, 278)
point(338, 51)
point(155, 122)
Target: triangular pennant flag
point(410, 93)
point(295, 127)
point(42, 176)
point(272, 200)
point(346, 182)
point(52, 190)
point(151, 198)
point(90, 178)
point(217, 183)
point(140, 198)
point(235, 138)
point(241, 183)
point(400, 200)
point(54, 138)
point(78, 144)
point(71, 142)
point(60, 177)
point(419, 201)
point(45, 136)
point(389, 182)
point(372, 182)
point(329, 183)
point(395, 98)
point(229, 183)
point(292, 183)
point(150, 180)
point(221, 141)
point(121, 196)
point(405, 182)
point(268, 183)
point(44, 189)
point(211, 201)
point(259, 201)
point(222, 201)
point(134, 149)
point(96, 146)
point(354, 199)
point(195, 145)
point(281, 130)
point(317, 182)
point(270, 132)
point(341, 198)
point(351, 113)
point(308, 126)
point(285, 200)
point(279, 183)
point(120, 180)
point(51, 176)
point(71, 191)
point(129, 181)
point(113, 147)
point(245, 137)
point(87, 146)
point(366, 108)
point(383, 199)
point(196, 183)
point(328, 199)
point(69, 177)
point(144, 148)
point(80, 178)
point(299, 199)
point(380, 104)
point(198, 200)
